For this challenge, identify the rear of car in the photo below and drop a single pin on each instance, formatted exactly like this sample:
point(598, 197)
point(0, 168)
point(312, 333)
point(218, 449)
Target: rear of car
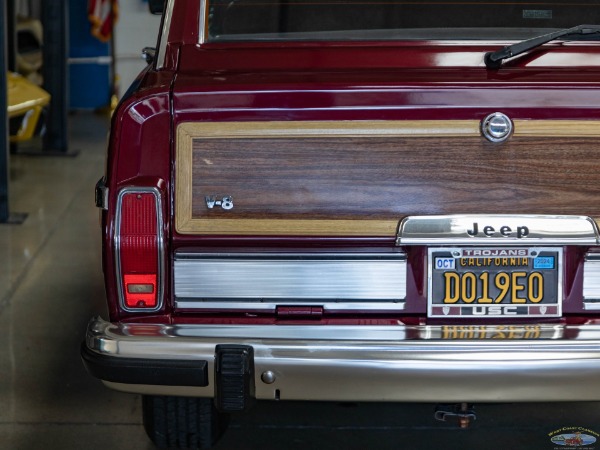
point(308, 201)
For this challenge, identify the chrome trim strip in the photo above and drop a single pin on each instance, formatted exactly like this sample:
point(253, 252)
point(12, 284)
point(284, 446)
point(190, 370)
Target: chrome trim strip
point(164, 35)
point(203, 26)
point(184, 304)
point(591, 281)
point(161, 249)
point(373, 363)
point(498, 229)
point(262, 281)
point(396, 255)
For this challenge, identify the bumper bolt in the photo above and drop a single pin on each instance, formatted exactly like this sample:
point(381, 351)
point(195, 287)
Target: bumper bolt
point(268, 377)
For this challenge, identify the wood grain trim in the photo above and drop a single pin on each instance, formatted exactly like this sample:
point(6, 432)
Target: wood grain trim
point(557, 128)
point(277, 227)
point(400, 128)
point(183, 182)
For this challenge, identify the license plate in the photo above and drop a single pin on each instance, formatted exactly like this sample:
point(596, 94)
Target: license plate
point(473, 282)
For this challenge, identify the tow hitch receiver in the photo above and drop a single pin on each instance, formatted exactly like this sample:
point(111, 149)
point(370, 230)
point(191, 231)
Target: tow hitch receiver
point(463, 413)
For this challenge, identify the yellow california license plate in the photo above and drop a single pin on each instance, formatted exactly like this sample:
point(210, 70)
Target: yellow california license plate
point(495, 282)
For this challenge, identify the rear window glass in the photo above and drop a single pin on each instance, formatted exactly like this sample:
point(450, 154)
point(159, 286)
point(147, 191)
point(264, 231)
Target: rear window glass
point(255, 20)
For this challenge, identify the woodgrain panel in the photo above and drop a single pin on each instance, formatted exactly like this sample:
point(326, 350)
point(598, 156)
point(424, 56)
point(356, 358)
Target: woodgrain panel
point(304, 180)
point(424, 128)
point(557, 128)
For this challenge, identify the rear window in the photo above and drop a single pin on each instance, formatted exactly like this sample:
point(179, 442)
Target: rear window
point(256, 20)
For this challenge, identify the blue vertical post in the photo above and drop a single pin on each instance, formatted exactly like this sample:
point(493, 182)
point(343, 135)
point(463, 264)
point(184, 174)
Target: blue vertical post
point(89, 63)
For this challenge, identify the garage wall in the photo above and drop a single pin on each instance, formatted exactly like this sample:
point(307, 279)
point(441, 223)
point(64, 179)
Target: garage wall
point(136, 29)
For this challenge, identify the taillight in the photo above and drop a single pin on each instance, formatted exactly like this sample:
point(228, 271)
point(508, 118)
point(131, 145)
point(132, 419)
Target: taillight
point(139, 252)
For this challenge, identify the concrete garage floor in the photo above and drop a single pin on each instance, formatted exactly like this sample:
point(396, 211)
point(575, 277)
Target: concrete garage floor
point(51, 284)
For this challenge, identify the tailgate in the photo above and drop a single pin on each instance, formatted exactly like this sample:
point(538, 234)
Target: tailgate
point(511, 226)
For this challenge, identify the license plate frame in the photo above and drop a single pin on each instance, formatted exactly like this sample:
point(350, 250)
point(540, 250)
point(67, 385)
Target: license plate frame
point(446, 299)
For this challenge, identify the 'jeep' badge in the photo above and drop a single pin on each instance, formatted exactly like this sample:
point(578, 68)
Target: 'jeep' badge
point(225, 202)
point(506, 231)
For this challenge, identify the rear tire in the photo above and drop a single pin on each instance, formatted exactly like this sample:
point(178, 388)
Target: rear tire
point(182, 422)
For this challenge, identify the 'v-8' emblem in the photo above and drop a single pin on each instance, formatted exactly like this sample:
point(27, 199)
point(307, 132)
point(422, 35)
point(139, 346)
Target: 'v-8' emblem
point(226, 202)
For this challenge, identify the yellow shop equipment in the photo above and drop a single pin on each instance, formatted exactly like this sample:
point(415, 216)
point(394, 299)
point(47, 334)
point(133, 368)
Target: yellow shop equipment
point(25, 103)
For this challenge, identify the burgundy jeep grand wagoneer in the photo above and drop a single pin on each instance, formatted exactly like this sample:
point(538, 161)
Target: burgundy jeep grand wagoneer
point(354, 201)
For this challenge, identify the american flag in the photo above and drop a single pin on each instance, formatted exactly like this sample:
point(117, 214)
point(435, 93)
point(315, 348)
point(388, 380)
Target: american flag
point(102, 15)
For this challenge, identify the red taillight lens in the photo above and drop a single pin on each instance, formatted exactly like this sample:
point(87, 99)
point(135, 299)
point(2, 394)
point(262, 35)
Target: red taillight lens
point(139, 250)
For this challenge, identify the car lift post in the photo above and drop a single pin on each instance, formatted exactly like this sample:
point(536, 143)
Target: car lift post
point(11, 47)
point(11, 37)
point(4, 214)
point(56, 76)
point(7, 60)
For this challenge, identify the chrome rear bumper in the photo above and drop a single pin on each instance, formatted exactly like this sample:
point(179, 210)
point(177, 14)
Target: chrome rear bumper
point(367, 363)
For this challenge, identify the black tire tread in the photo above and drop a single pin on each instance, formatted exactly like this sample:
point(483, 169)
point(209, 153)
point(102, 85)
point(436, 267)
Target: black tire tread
point(181, 422)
